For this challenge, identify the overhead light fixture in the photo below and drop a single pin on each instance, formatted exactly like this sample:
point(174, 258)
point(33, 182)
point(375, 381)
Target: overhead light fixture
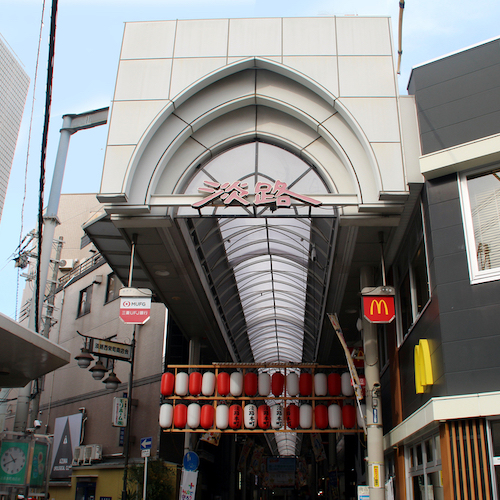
point(98, 370)
point(84, 358)
point(112, 382)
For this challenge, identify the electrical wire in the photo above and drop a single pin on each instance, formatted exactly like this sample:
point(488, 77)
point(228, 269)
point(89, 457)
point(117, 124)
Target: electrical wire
point(21, 239)
point(48, 101)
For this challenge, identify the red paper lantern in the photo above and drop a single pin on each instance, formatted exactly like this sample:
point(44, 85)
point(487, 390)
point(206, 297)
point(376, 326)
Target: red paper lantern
point(277, 383)
point(264, 416)
point(250, 384)
point(180, 416)
point(334, 384)
point(321, 416)
point(292, 416)
point(195, 381)
point(235, 416)
point(349, 416)
point(167, 384)
point(207, 416)
point(223, 383)
point(305, 384)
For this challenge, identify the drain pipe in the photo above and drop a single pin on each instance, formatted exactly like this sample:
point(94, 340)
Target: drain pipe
point(375, 434)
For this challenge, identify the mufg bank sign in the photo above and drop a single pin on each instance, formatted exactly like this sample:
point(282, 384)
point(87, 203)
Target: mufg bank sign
point(265, 193)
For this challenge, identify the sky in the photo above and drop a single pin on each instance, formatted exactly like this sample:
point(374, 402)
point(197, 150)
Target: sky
point(88, 40)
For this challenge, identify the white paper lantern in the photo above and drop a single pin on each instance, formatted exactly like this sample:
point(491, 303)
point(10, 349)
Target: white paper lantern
point(166, 415)
point(208, 384)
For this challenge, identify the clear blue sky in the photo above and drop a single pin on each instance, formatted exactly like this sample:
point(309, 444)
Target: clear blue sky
point(88, 40)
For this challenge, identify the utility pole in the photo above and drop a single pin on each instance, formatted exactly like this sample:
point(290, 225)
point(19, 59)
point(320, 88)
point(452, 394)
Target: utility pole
point(71, 125)
point(375, 435)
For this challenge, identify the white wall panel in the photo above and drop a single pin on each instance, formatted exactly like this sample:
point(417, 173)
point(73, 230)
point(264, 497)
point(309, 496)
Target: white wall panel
point(129, 120)
point(377, 116)
point(362, 36)
point(187, 71)
point(143, 79)
point(116, 161)
point(201, 38)
point(309, 36)
point(148, 40)
point(366, 76)
point(390, 160)
point(321, 69)
point(254, 37)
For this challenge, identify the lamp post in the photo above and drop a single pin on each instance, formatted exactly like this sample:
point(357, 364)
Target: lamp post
point(110, 350)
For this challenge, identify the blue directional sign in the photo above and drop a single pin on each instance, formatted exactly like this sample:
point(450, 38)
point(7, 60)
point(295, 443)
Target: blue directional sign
point(191, 461)
point(146, 443)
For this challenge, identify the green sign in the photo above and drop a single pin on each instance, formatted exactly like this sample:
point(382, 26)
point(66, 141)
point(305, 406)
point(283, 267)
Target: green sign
point(14, 456)
point(39, 465)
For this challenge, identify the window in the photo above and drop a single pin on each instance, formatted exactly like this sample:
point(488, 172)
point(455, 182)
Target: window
point(113, 286)
point(423, 462)
point(84, 301)
point(495, 450)
point(480, 193)
point(412, 277)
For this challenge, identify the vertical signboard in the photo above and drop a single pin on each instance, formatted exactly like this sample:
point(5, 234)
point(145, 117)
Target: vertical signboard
point(67, 432)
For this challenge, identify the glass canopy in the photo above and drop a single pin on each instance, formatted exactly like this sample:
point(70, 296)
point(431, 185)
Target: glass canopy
point(267, 264)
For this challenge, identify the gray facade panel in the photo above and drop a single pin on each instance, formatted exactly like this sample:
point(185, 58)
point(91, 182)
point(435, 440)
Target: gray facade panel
point(458, 97)
point(445, 214)
point(470, 322)
point(448, 240)
point(451, 268)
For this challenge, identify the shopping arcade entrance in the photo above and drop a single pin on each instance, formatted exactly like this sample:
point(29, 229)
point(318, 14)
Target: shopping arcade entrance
point(184, 257)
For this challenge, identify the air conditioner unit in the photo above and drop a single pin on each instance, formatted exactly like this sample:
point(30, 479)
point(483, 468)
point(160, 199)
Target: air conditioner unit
point(67, 264)
point(78, 454)
point(93, 452)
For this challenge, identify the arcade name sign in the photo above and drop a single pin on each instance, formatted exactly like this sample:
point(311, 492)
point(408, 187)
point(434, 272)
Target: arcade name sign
point(265, 193)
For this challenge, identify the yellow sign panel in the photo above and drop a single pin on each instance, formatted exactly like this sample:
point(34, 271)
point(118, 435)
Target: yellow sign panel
point(376, 476)
point(423, 366)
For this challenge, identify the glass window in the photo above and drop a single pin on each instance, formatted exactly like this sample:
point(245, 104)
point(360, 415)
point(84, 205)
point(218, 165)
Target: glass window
point(84, 301)
point(113, 286)
point(481, 213)
point(424, 470)
point(413, 292)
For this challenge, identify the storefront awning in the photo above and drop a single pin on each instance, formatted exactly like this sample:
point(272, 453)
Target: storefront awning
point(25, 355)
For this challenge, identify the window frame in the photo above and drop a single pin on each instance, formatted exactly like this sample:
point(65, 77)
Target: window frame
point(115, 288)
point(88, 300)
point(405, 271)
point(475, 274)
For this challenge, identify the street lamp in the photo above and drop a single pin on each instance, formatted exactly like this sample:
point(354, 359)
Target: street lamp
point(98, 370)
point(84, 358)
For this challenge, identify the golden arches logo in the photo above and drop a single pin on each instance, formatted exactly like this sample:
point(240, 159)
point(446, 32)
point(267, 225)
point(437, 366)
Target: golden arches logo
point(423, 366)
point(379, 303)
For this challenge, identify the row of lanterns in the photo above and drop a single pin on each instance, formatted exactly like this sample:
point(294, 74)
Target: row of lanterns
point(236, 384)
point(263, 417)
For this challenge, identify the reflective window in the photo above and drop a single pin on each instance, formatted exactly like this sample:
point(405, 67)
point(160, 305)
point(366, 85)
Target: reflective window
point(84, 301)
point(423, 461)
point(113, 286)
point(413, 291)
point(481, 213)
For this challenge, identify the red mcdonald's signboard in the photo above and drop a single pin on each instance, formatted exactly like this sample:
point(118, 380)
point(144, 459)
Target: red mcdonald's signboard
point(379, 308)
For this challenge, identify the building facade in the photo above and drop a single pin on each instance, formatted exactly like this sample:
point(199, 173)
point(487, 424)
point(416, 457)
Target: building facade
point(14, 83)
point(265, 173)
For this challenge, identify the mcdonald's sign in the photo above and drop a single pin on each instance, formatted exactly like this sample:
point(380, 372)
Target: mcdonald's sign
point(379, 308)
point(423, 366)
